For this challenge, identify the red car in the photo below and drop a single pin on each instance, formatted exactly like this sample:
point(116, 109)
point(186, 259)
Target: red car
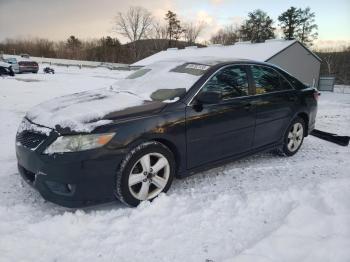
point(28, 66)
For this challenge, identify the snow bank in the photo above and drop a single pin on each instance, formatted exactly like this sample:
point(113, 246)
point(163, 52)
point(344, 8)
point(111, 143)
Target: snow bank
point(70, 62)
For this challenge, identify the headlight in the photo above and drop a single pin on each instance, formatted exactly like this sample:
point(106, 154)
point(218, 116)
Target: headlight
point(78, 143)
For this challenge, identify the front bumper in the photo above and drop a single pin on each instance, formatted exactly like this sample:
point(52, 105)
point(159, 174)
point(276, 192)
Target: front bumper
point(71, 179)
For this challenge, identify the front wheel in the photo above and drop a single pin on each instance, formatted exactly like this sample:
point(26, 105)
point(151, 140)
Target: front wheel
point(145, 172)
point(294, 137)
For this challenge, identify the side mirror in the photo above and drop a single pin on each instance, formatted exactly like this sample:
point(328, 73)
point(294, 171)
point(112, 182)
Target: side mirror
point(210, 97)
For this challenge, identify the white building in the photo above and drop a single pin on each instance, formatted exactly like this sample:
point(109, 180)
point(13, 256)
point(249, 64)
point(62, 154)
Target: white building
point(290, 55)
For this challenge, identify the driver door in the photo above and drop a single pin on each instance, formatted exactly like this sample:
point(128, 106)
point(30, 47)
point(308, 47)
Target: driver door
point(224, 129)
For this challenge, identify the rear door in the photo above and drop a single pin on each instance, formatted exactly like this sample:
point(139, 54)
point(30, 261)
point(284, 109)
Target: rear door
point(216, 131)
point(275, 102)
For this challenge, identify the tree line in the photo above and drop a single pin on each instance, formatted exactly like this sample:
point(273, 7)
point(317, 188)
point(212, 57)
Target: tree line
point(146, 35)
point(336, 63)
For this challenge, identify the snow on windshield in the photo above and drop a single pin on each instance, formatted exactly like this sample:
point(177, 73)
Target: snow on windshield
point(159, 76)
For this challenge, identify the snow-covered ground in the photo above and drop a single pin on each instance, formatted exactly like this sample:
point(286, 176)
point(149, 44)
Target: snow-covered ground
point(262, 208)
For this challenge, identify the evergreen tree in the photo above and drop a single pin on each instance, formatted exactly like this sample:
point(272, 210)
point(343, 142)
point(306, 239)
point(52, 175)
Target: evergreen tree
point(290, 21)
point(174, 29)
point(73, 43)
point(299, 24)
point(258, 27)
point(307, 31)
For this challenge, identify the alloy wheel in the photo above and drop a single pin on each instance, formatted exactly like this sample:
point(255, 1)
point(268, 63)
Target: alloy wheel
point(149, 176)
point(295, 137)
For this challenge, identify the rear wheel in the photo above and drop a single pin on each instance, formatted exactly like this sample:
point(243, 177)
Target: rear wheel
point(145, 172)
point(294, 137)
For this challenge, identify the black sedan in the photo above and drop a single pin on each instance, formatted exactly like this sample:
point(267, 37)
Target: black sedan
point(169, 119)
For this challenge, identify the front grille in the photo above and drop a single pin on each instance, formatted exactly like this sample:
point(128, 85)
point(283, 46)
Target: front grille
point(30, 139)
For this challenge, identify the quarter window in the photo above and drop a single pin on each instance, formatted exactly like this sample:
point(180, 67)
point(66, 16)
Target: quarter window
point(231, 82)
point(268, 80)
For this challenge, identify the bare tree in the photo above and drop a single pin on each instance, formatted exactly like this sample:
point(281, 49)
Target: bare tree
point(159, 31)
point(227, 36)
point(192, 31)
point(135, 24)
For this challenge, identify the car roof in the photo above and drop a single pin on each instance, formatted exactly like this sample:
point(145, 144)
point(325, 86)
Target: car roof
point(211, 61)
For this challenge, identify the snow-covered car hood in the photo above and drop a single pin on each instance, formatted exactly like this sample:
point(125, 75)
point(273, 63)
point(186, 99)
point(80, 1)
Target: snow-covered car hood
point(139, 93)
point(83, 112)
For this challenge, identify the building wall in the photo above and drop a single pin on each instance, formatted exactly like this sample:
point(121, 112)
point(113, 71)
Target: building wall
point(300, 63)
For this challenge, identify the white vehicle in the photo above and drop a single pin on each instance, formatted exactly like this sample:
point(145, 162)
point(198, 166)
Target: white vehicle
point(13, 62)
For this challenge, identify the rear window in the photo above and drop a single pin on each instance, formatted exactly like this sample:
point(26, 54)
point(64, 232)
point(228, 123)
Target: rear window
point(295, 82)
point(28, 63)
point(268, 80)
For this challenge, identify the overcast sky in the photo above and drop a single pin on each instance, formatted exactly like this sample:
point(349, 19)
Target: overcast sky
point(87, 19)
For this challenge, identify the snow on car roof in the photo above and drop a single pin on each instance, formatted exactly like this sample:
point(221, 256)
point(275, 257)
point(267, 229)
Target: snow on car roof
point(244, 50)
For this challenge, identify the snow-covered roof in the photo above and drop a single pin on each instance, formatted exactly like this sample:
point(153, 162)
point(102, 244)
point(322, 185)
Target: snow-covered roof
point(244, 50)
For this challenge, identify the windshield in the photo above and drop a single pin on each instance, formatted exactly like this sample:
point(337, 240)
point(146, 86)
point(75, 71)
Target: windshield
point(162, 81)
point(11, 60)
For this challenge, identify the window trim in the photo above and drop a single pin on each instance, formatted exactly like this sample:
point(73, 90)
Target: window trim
point(251, 82)
point(279, 74)
point(245, 70)
point(213, 74)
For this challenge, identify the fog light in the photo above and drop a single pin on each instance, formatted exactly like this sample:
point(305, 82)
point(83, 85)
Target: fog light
point(60, 188)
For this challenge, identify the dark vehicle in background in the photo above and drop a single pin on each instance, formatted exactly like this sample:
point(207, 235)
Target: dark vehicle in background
point(49, 70)
point(6, 69)
point(28, 66)
point(183, 117)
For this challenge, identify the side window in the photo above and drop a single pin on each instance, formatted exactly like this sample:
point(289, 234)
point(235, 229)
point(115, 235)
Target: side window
point(230, 82)
point(268, 80)
point(295, 82)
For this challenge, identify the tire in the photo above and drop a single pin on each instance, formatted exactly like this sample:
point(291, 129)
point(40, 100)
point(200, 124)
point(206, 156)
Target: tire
point(293, 138)
point(135, 175)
